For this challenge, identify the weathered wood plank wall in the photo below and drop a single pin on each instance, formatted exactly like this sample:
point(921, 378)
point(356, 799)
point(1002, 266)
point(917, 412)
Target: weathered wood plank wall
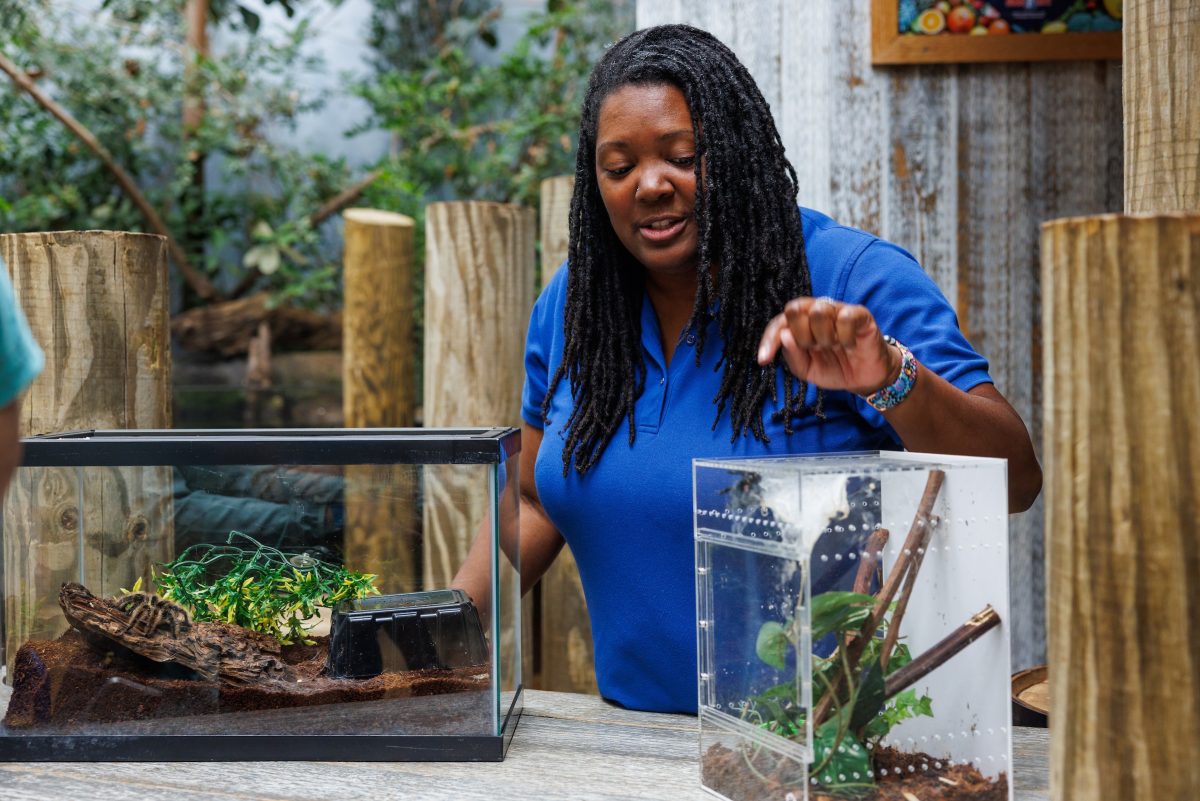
point(959, 164)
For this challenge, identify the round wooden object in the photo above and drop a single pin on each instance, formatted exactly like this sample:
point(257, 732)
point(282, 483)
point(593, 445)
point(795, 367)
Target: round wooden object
point(1031, 697)
point(1121, 320)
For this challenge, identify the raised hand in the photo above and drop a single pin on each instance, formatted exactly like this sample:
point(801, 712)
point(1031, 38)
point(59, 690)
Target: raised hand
point(831, 345)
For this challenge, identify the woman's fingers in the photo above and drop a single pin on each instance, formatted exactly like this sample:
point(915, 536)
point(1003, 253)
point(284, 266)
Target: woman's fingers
point(797, 358)
point(768, 346)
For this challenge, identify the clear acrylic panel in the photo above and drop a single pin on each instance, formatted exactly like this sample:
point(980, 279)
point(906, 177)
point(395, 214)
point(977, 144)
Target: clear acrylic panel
point(851, 618)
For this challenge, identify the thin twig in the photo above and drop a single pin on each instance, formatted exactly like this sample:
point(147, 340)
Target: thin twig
point(196, 280)
point(342, 199)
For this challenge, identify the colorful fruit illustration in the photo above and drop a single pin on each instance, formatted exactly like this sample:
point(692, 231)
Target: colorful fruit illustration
point(1114, 8)
point(931, 21)
point(999, 26)
point(960, 19)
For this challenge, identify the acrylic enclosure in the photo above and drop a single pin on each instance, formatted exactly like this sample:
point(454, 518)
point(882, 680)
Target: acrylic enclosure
point(852, 627)
point(246, 595)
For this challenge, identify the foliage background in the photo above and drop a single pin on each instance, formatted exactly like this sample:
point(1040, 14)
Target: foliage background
point(467, 121)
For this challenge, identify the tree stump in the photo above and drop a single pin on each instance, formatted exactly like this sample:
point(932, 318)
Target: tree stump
point(378, 391)
point(479, 269)
point(1121, 311)
point(555, 227)
point(97, 304)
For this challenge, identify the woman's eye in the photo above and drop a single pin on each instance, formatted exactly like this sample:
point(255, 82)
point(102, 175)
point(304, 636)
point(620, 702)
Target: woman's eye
point(684, 161)
point(616, 170)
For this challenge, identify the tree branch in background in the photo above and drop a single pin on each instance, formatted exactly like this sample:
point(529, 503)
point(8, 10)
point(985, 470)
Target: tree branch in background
point(196, 280)
point(329, 208)
point(342, 199)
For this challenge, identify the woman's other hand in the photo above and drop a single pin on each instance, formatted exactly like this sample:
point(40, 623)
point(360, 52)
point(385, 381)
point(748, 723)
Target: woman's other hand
point(831, 345)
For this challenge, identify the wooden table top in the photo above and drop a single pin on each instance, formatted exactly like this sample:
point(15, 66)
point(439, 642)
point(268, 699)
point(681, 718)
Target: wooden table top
point(567, 746)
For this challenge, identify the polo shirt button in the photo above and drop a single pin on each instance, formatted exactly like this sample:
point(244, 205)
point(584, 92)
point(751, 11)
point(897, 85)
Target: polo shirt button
point(662, 381)
point(691, 339)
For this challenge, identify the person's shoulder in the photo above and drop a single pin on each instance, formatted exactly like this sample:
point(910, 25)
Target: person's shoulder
point(833, 249)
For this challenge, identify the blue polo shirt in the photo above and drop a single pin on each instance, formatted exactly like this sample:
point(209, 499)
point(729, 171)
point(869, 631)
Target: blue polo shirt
point(628, 521)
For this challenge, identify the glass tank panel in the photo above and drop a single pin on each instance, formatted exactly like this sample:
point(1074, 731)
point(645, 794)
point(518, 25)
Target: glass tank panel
point(852, 627)
point(179, 595)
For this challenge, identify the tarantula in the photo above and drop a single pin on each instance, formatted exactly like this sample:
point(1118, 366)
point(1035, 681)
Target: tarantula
point(148, 613)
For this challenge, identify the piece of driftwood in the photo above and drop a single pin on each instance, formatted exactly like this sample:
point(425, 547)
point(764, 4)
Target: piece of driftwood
point(227, 328)
point(153, 628)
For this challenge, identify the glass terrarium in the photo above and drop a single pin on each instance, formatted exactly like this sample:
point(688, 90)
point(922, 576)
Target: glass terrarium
point(852, 627)
point(193, 595)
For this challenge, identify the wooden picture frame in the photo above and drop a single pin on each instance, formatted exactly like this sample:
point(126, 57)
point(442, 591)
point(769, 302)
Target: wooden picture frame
point(889, 46)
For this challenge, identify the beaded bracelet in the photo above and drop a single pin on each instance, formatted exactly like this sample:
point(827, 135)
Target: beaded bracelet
point(893, 394)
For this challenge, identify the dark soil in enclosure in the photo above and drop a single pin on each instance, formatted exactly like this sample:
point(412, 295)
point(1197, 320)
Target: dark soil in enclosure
point(726, 771)
point(69, 685)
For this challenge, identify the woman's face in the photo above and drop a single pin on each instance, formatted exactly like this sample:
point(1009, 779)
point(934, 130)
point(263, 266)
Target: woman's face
point(645, 157)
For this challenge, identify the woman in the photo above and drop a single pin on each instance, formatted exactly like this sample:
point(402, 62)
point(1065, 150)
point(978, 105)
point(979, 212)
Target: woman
point(702, 315)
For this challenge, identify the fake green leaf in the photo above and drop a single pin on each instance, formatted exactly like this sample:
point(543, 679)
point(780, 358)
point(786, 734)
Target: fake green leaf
point(870, 698)
point(840, 761)
point(772, 644)
point(839, 612)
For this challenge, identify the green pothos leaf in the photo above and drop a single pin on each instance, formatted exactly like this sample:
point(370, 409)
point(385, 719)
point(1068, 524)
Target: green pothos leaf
point(772, 644)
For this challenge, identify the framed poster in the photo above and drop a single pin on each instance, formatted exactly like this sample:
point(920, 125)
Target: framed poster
point(950, 31)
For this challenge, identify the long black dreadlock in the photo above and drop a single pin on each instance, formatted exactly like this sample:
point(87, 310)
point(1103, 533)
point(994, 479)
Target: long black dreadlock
point(747, 223)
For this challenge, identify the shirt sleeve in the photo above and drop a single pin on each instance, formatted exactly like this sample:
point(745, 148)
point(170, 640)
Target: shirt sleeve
point(908, 305)
point(20, 358)
point(538, 343)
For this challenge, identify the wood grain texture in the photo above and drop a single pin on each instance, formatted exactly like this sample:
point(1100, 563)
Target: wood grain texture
point(378, 362)
point(379, 391)
point(1162, 106)
point(566, 748)
point(958, 165)
point(479, 274)
point(97, 305)
point(1121, 312)
point(554, 224)
point(567, 657)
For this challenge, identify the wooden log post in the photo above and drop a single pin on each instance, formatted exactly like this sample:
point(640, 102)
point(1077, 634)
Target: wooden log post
point(555, 228)
point(97, 305)
point(1121, 313)
point(1162, 106)
point(566, 658)
point(378, 391)
point(479, 271)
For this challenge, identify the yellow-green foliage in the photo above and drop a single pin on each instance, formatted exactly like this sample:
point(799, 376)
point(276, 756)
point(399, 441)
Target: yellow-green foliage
point(258, 587)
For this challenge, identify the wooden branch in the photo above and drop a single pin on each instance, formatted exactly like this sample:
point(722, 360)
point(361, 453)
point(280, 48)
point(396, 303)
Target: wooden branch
point(198, 281)
point(855, 648)
point(342, 199)
point(227, 328)
point(216, 651)
point(980, 623)
point(872, 553)
point(910, 581)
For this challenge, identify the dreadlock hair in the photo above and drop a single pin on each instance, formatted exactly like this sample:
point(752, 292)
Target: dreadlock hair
point(747, 223)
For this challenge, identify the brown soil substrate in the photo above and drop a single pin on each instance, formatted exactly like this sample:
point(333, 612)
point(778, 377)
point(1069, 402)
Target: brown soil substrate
point(726, 771)
point(68, 684)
